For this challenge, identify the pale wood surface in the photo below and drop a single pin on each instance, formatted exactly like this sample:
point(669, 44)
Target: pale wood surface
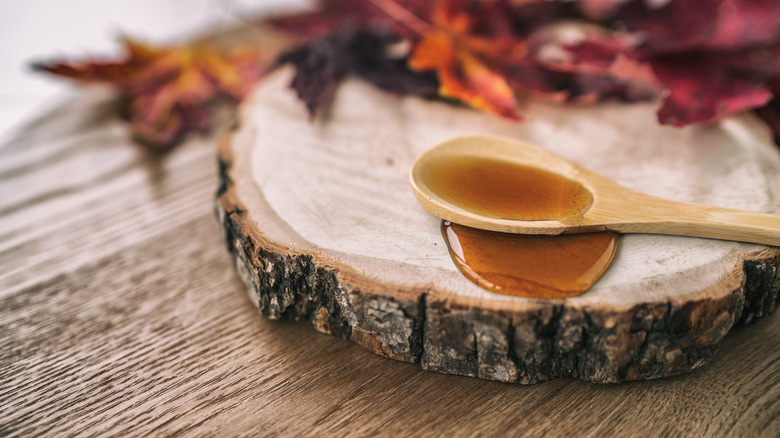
point(323, 225)
point(120, 314)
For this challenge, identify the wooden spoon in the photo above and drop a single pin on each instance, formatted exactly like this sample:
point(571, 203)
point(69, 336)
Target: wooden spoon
point(608, 205)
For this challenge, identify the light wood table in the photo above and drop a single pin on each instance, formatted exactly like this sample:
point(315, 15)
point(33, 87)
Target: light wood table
point(120, 314)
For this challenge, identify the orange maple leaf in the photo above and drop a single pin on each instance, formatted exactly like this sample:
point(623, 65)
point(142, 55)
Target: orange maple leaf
point(168, 92)
point(467, 64)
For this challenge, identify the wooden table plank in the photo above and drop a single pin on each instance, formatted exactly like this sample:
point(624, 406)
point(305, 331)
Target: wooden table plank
point(120, 314)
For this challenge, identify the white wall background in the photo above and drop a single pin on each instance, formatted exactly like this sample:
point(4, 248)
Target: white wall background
point(33, 30)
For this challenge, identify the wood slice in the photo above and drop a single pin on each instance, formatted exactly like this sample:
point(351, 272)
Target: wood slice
point(322, 225)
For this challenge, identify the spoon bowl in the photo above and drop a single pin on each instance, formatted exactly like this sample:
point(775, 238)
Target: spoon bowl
point(508, 185)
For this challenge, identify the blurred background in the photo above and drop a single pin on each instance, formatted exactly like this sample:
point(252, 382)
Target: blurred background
point(34, 30)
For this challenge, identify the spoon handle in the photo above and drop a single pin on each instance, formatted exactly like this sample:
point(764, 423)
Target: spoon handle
point(707, 221)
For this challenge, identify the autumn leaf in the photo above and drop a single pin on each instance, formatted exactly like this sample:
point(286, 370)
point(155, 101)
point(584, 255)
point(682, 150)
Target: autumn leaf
point(465, 61)
point(329, 16)
point(600, 65)
point(326, 17)
point(705, 91)
point(685, 25)
point(321, 64)
point(713, 58)
point(169, 92)
point(464, 76)
point(489, 54)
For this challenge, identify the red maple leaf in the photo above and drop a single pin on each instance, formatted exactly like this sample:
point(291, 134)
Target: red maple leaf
point(168, 92)
point(466, 46)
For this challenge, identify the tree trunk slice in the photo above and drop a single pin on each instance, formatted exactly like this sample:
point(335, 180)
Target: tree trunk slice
point(322, 225)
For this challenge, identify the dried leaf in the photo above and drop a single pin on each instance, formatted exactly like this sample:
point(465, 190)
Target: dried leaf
point(713, 58)
point(699, 86)
point(685, 25)
point(702, 90)
point(329, 16)
point(325, 18)
point(466, 59)
point(321, 64)
point(168, 92)
point(599, 66)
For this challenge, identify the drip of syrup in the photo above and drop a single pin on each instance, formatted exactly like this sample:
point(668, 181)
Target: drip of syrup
point(513, 264)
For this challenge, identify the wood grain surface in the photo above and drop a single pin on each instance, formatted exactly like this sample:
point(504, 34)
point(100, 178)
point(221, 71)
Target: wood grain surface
point(120, 315)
